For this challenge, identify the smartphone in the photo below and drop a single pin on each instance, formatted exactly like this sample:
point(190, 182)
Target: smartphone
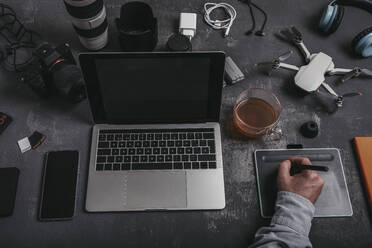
point(59, 186)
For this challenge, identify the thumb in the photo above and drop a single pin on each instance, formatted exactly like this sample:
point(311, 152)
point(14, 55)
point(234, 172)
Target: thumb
point(284, 169)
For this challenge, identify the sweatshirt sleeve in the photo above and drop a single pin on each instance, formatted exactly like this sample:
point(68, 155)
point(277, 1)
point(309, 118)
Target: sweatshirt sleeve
point(290, 225)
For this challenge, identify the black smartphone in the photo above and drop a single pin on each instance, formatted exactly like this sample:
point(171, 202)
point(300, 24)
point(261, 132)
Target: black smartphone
point(59, 186)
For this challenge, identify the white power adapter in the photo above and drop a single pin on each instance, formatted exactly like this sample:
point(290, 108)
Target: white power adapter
point(188, 24)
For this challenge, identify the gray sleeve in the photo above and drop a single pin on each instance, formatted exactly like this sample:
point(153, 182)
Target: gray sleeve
point(290, 225)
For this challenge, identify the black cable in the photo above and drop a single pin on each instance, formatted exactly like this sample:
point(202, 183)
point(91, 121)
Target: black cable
point(250, 31)
point(261, 31)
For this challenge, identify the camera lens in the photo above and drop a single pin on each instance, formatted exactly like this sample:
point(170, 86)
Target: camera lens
point(89, 20)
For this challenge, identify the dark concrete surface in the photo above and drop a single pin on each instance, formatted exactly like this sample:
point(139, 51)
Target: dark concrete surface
point(69, 127)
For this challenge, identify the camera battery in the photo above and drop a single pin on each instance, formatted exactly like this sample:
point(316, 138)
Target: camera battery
point(232, 72)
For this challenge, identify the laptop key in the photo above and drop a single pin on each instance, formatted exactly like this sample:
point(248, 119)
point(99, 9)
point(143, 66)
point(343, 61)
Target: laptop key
point(186, 143)
point(110, 159)
point(99, 167)
point(187, 165)
point(182, 136)
point(209, 157)
point(108, 167)
point(202, 143)
point(138, 144)
point(152, 158)
point(185, 157)
point(118, 137)
point(198, 136)
point(114, 144)
point(118, 159)
point(208, 135)
point(174, 136)
point(190, 136)
point(101, 152)
point(168, 158)
point(212, 165)
point(116, 166)
point(156, 151)
point(195, 165)
point(139, 151)
point(142, 136)
point(125, 166)
point(203, 165)
point(158, 136)
point(154, 143)
point(194, 143)
point(115, 151)
point(205, 150)
point(134, 136)
point(127, 159)
point(170, 143)
point(150, 136)
point(144, 159)
point(162, 143)
point(193, 158)
point(197, 150)
point(176, 158)
point(188, 150)
point(102, 137)
point(164, 150)
point(212, 149)
point(110, 137)
point(172, 150)
point(148, 151)
point(122, 144)
point(177, 166)
point(130, 144)
point(123, 151)
point(181, 150)
point(132, 151)
point(166, 136)
point(135, 159)
point(103, 144)
point(160, 158)
point(178, 143)
point(101, 159)
point(146, 143)
point(126, 137)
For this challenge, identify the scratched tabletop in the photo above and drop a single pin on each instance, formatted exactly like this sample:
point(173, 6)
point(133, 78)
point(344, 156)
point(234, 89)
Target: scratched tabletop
point(69, 127)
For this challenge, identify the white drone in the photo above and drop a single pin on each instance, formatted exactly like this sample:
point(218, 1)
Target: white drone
point(311, 76)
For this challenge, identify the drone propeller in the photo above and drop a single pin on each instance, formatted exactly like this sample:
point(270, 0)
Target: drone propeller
point(275, 64)
point(356, 72)
point(330, 102)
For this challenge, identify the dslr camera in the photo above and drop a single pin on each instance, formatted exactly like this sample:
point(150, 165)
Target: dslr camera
point(53, 70)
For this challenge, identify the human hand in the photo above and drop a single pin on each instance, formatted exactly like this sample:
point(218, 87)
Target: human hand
point(307, 183)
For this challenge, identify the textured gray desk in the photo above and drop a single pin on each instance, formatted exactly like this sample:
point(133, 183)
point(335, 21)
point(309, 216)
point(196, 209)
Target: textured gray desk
point(69, 127)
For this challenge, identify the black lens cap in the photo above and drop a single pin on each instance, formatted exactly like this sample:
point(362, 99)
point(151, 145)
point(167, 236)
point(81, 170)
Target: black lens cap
point(179, 43)
point(309, 129)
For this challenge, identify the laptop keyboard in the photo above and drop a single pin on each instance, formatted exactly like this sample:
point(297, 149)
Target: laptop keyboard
point(156, 149)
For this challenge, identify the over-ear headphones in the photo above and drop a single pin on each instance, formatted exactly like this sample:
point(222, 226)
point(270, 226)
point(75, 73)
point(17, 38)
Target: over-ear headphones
point(332, 17)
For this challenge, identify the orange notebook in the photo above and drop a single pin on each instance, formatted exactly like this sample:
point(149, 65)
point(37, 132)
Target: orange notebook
point(364, 148)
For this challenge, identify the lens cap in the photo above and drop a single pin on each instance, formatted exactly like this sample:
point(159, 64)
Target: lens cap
point(179, 43)
point(310, 129)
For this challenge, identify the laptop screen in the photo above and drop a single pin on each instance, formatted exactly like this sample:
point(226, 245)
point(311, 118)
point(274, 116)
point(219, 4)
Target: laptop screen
point(153, 87)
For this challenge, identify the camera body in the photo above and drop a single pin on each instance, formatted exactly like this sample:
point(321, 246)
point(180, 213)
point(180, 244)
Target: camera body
point(53, 70)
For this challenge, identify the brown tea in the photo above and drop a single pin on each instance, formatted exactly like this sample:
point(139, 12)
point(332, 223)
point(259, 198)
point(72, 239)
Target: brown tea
point(255, 112)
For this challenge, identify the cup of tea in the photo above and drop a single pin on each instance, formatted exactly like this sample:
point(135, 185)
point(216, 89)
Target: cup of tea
point(257, 112)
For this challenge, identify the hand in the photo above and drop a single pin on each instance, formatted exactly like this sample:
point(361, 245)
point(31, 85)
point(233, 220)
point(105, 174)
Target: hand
point(307, 183)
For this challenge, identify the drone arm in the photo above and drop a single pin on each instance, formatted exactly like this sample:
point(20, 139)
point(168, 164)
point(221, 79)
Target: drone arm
point(305, 52)
point(288, 67)
point(339, 71)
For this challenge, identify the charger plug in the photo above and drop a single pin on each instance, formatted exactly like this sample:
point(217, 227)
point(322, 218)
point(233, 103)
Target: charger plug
point(188, 24)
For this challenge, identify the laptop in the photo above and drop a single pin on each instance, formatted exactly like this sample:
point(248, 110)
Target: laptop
point(156, 142)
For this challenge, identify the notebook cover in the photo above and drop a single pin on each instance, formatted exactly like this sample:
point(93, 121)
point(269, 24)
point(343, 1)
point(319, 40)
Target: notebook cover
point(364, 149)
point(334, 200)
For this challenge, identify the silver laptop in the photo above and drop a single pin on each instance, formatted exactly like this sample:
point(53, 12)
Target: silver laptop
point(156, 142)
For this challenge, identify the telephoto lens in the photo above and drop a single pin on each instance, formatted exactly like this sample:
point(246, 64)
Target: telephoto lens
point(89, 20)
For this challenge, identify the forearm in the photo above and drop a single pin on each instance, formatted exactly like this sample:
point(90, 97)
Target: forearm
point(290, 225)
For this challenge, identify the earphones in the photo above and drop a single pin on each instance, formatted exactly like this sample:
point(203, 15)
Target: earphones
point(332, 17)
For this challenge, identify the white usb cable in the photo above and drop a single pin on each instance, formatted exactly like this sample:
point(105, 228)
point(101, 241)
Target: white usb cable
point(220, 24)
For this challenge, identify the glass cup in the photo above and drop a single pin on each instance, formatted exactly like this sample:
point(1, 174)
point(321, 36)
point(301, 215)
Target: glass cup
point(257, 112)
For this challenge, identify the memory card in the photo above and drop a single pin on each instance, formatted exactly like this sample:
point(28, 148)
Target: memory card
point(5, 120)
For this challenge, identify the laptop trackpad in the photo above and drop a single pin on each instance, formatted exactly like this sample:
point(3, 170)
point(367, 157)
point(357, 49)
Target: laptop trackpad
point(156, 190)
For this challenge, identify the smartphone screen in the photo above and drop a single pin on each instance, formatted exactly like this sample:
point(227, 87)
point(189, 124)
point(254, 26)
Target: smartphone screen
point(59, 185)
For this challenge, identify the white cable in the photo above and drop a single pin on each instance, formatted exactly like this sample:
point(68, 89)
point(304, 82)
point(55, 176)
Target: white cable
point(220, 24)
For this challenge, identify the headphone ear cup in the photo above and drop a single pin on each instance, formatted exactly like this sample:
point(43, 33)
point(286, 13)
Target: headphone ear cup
point(362, 43)
point(337, 20)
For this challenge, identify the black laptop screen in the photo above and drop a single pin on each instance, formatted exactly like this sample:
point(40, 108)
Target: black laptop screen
point(155, 89)
point(158, 88)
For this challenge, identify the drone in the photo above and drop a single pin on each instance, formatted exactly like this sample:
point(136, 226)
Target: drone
point(311, 76)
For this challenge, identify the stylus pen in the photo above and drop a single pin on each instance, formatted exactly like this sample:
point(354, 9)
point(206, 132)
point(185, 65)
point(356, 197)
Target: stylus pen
point(297, 168)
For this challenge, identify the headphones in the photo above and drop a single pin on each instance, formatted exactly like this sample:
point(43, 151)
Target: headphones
point(332, 17)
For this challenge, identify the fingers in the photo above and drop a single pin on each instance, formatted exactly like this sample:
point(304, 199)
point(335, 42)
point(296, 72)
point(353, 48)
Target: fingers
point(300, 160)
point(284, 169)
